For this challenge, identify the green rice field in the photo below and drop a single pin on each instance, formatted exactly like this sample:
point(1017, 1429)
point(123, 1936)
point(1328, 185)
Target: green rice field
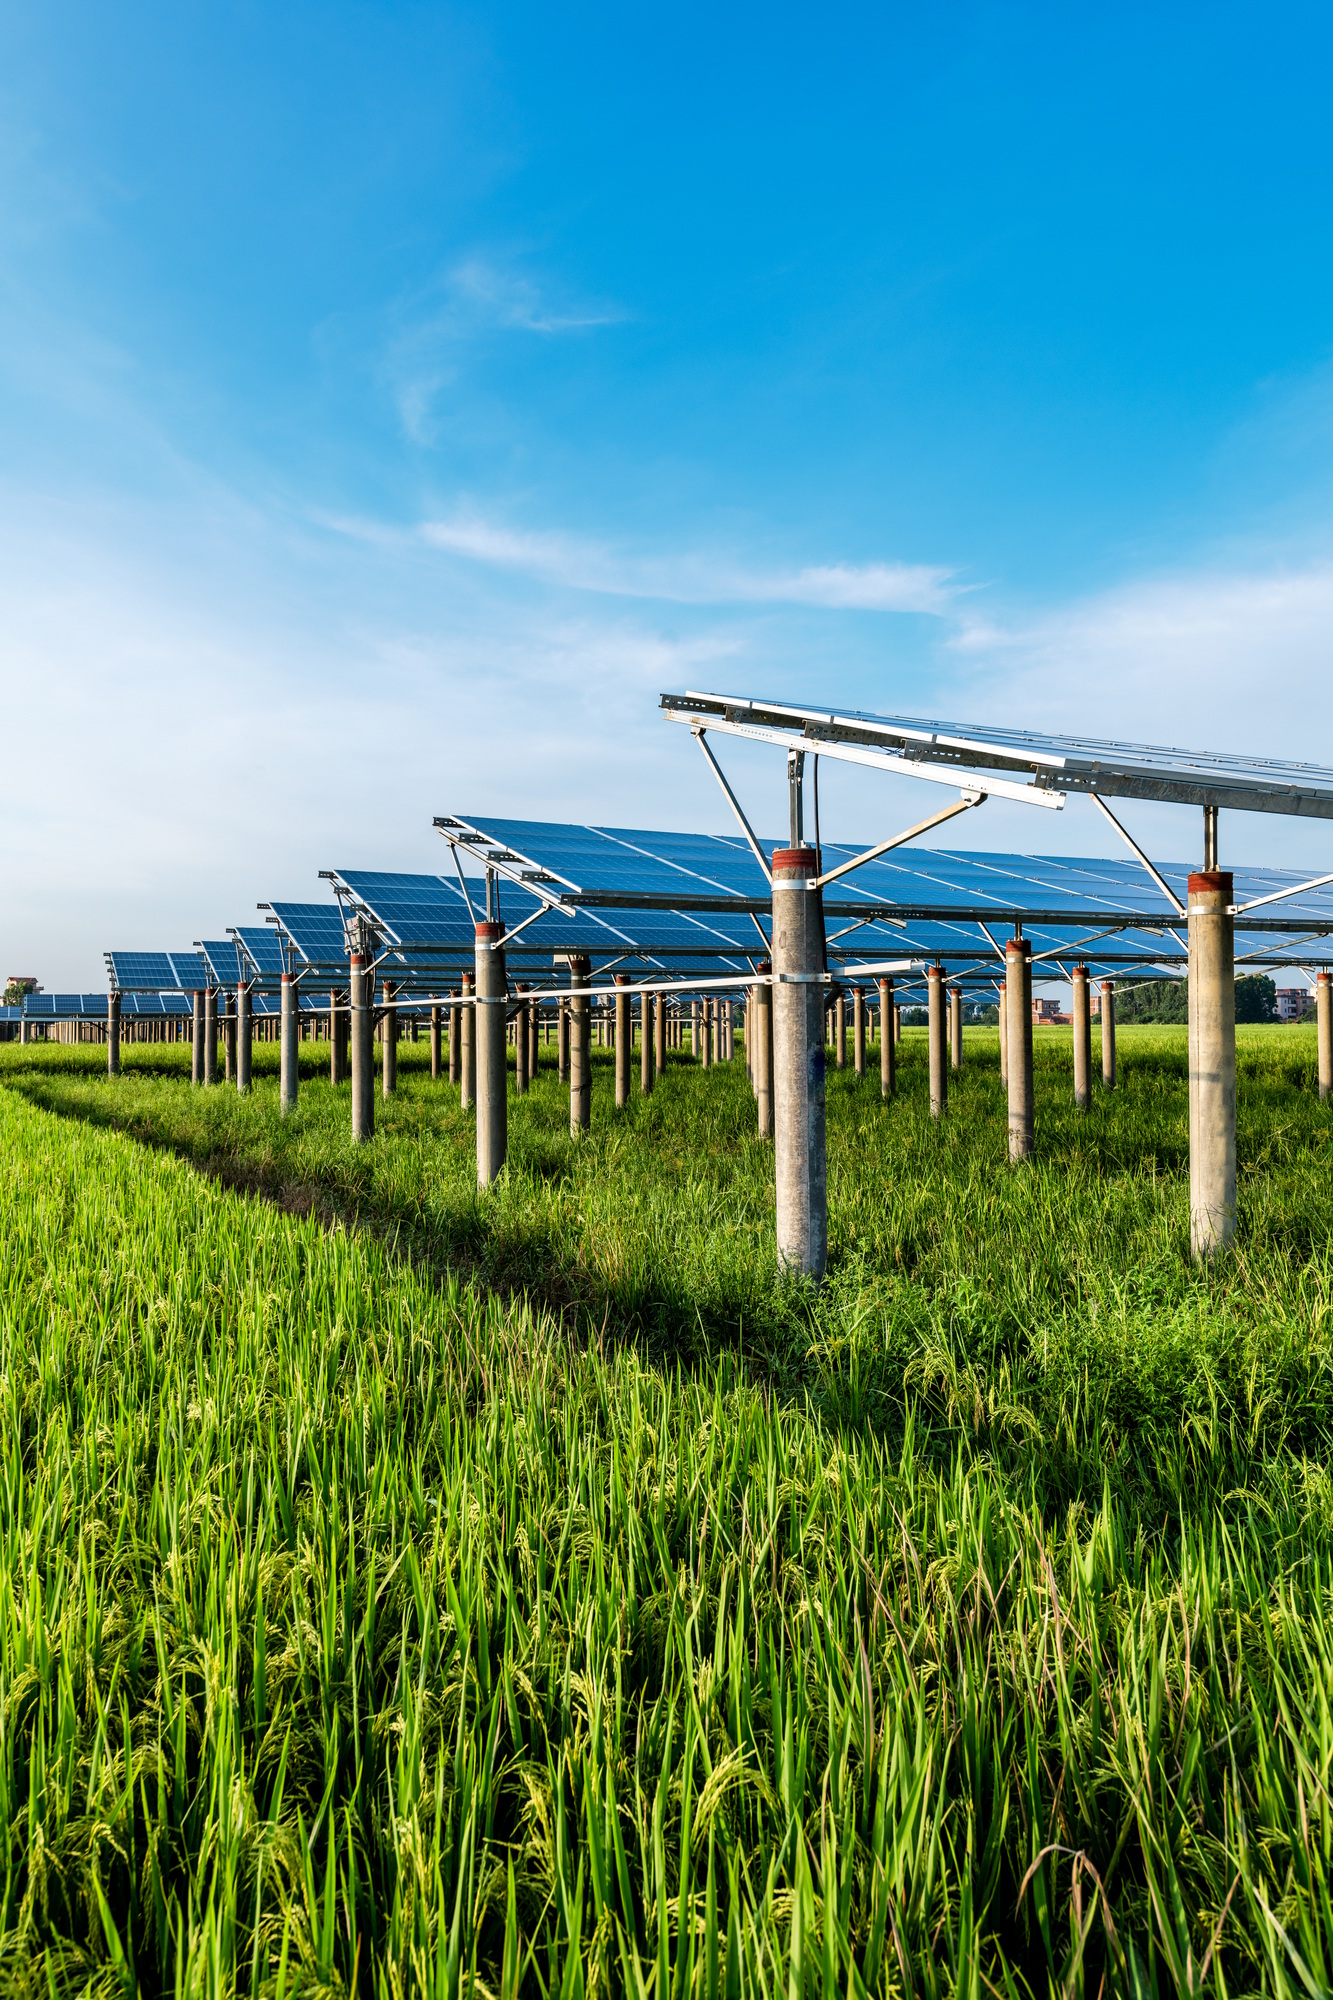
point(406, 1591)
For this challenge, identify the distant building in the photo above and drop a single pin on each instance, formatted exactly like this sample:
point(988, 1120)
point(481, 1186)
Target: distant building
point(1046, 1012)
point(1294, 1003)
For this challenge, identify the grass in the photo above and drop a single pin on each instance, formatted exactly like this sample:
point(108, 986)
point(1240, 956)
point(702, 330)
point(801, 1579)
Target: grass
point(405, 1591)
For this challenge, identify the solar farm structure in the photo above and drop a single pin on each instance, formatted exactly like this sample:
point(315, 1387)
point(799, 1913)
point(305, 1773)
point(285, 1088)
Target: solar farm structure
point(578, 930)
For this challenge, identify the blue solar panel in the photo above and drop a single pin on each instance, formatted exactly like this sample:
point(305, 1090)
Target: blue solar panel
point(262, 950)
point(64, 1006)
point(926, 884)
point(190, 970)
point(141, 971)
point(219, 956)
point(316, 931)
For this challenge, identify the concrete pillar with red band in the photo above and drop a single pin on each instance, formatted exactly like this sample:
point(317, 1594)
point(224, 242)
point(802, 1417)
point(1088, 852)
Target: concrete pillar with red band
point(955, 1027)
point(800, 1154)
point(887, 1039)
point(939, 1072)
point(491, 1053)
point(579, 1007)
point(1018, 1026)
point(624, 1037)
point(288, 1071)
point(1323, 1014)
point(1082, 1040)
point(1108, 1034)
point(1212, 1062)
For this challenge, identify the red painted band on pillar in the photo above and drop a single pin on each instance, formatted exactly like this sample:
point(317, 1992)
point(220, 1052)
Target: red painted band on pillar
point(488, 933)
point(1019, 944)
point(1211, 882)
point(795, 861)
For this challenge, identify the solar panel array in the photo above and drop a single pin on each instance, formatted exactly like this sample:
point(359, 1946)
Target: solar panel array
point(917, 902)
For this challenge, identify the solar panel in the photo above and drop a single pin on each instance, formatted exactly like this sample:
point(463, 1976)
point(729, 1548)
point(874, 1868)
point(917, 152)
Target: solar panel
point(64, 1006)
point(917, 902)
point(315, 930)
point(918, 746)
point(428, 917)
point(261, 948)
point(219, 955)
point(191, 972)
point(155, 1005)
point(141, 971)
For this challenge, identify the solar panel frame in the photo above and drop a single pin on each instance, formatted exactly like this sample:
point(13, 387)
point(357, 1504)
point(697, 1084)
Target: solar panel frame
point(1064, 764)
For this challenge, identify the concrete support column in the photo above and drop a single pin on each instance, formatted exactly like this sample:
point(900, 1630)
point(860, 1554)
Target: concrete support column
point(763, 1054)
point(491, 1052)
point(197, 1053)
point(1323, 1015)
point(1082, 1040)
point(363, 1050)
point(1108, 1034)
point(579, 1019)
point(113, 1034)
point(211, 1035)
point(956, 1027)
point(229, 1039)
point(467, 1034)
point(244, 1037)
point(897, 1025)
point(287, 1059)
point(694, 1029)
point(1018, 994)
point(887, 1010)
point(939, 1068)
point(647, 1050)
point(859, 1030)
point(801, 1161)
point(562, 1042)
point(522, 1044)
point(1004, 1033)
point(534, 1039)
point(455, 1043)
point(840, 1031)
point(660, 1031)
point(1212, 1040)
point(389, 1038)
point(624, 1032)
point(436, 1045)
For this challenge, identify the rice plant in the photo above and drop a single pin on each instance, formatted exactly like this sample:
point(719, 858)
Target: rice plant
point(404, 1592)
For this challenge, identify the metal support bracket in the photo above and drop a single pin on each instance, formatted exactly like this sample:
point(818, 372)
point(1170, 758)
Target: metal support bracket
point(966, 801)
point(734, 803)
point(1130, 842)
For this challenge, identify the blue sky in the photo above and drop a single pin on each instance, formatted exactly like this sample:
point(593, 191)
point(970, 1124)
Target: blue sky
point(393, 400)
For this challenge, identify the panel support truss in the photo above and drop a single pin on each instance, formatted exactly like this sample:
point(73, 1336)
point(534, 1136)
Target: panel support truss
point(1134, 847)
point(964, 804)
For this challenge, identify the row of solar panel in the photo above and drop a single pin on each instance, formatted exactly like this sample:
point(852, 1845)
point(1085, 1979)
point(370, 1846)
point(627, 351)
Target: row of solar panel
point(421, 927)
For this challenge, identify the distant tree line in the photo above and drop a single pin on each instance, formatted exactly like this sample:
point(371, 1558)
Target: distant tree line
point(1167, 1000)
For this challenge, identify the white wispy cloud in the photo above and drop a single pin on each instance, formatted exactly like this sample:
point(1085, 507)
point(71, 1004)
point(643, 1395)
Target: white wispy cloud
point(1235, 656)
point(573, 563)
point(476, 298)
